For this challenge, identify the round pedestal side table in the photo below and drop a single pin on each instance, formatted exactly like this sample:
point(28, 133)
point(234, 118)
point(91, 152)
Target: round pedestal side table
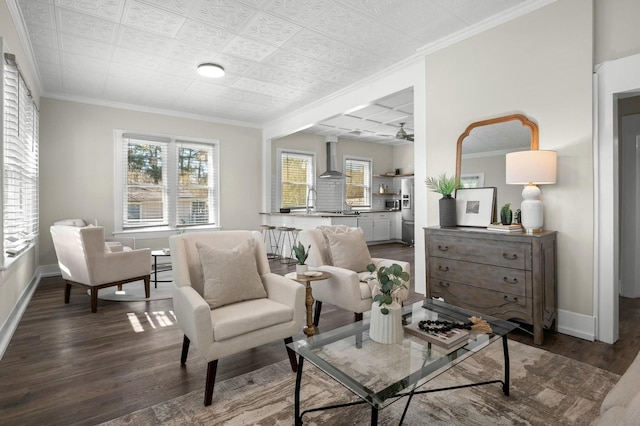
point(308, 277)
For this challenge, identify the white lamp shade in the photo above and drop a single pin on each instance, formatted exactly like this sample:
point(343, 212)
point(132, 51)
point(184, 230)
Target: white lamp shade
point(525, 167)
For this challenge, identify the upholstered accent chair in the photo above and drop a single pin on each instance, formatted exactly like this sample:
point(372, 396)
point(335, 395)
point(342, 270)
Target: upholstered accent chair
point(343, 252)
point(88, 261)
point(227, 300)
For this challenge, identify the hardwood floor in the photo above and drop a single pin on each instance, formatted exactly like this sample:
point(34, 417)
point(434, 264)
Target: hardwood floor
point(66, 365)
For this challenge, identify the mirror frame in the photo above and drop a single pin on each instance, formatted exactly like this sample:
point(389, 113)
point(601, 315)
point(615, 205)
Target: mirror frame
point(524, 120)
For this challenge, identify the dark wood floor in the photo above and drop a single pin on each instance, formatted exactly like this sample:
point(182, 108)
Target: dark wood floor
point(67, 366)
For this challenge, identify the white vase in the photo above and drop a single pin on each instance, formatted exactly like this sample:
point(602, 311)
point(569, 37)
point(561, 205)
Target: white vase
point(301, 269)
point(386, 328)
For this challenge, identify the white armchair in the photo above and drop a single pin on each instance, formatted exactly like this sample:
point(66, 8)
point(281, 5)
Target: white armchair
point(85, 260)
point(348, 288)
point(235, 326)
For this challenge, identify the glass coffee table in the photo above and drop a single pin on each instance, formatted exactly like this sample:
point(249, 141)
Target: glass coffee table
point(380, 374)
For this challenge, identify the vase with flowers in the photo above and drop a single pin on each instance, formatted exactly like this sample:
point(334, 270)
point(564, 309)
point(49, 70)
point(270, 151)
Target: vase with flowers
point(386, 311)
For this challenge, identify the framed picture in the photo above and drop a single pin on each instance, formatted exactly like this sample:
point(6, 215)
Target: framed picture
point(476, 206)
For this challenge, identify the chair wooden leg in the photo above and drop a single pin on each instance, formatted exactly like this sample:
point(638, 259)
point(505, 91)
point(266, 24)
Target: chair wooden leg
point(357, 316)
point(147, 286)
point(185, 350)
point(316, 313)
point(67, 292)
point(292, 354)
point(211, 378)
point(94, 300)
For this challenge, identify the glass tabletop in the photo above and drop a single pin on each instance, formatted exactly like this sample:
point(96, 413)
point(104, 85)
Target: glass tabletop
point(380, 373)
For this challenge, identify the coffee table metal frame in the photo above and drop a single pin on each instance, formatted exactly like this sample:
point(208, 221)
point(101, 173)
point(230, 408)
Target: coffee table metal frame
point(309, 349)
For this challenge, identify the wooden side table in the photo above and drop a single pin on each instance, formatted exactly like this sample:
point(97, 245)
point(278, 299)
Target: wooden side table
point(310, 328)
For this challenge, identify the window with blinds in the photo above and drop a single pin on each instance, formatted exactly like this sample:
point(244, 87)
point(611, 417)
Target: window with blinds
point(359, 182)
point(19, 163)
point(166, 181)
point(296, 177)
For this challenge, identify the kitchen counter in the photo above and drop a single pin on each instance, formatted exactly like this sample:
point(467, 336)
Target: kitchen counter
point(325, 214)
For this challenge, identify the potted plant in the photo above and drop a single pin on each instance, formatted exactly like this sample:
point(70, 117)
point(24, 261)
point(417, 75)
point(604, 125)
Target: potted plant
point(386, 312)
point(445, 185)
point(301, 254)
point(506, 214)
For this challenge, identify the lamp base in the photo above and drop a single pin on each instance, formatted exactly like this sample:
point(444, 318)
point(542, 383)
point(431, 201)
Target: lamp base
point(531, 209)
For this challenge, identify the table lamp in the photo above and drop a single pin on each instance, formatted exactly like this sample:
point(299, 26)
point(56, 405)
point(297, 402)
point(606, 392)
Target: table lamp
point(531, 168)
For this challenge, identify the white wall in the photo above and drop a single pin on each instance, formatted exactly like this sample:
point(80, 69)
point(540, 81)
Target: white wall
point(617, 33)
point(77, 165)
point(540, 66)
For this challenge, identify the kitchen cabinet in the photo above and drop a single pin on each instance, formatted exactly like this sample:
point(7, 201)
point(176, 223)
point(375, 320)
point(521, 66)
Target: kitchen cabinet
point(381, 227)
point(505, 275)
point(396, 225)
point(365, 222)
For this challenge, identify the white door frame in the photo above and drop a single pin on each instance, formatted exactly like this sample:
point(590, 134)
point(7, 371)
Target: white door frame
point(613, 80)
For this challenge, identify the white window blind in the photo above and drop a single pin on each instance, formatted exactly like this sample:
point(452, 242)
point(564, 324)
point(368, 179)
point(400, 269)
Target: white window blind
point(358, 182)
point(19, 162)
point(166, 181)
point(296, 178)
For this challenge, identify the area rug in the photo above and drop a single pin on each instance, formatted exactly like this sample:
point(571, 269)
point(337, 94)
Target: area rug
point(134, 292)
point(546, 389)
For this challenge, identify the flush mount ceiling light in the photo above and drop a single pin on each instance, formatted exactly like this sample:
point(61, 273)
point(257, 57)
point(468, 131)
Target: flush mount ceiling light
point(210, 70)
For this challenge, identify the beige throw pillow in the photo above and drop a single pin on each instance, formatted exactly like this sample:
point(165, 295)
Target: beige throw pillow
point(230, 275)
point(349, 250)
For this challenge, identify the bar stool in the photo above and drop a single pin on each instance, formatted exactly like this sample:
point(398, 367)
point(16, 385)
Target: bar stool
point(286, 239)
point(270, 241)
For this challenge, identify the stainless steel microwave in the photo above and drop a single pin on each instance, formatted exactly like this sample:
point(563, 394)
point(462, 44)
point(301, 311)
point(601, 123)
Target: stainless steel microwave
point(392, 204)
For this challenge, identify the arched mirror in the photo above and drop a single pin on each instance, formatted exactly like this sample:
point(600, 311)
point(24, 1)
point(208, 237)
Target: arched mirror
point(480, 157)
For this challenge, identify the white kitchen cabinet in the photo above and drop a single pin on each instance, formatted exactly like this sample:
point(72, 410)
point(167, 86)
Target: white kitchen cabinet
point(396, 225)
point(365, 222)
point(381, 227)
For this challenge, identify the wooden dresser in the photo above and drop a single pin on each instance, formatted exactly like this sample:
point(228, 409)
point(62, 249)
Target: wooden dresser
point(505, 275)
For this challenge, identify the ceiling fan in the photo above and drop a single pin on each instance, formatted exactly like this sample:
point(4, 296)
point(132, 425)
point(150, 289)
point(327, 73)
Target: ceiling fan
point(404, 135)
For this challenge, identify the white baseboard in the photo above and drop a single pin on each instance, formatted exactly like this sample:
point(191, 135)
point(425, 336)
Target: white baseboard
point(577, 325)
point(9, 327)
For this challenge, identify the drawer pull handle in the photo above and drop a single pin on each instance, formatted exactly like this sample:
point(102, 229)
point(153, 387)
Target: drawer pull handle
point(515, 299)
point(443, 248)
point(508, 281)
point(443, 284)
point(510, 257)
point(443, 269)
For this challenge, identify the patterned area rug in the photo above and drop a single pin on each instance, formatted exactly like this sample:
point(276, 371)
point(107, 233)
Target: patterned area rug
point(546, 389)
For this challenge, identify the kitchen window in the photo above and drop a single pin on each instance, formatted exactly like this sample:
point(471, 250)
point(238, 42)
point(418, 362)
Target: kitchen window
point(359, 181)
point(165, 182)
point(296, 175)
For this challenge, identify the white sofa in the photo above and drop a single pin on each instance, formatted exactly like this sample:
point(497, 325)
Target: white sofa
point(621, 406)
point(347, 288)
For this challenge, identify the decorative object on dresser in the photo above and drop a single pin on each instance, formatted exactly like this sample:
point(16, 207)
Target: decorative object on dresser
point(446, 186)
point(531, 168)
point(475, 206)
point(506, 214)
point(506, 275)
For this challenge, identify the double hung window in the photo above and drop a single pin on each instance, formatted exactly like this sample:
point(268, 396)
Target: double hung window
point(166, 182)
point(358, 182)
point(19, 141)
point(297, 174)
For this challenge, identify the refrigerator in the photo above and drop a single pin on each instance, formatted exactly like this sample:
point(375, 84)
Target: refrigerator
point(407, 210)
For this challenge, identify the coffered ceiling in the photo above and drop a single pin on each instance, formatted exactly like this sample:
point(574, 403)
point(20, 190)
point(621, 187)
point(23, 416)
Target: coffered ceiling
point(279, 55)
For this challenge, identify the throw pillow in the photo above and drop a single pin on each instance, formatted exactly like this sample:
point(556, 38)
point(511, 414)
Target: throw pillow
point(230, 275)
point(332, 229)
point(349, 250)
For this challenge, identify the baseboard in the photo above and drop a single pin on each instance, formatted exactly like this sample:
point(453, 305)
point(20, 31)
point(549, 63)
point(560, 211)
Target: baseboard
point(577, 325)
point(12, 321)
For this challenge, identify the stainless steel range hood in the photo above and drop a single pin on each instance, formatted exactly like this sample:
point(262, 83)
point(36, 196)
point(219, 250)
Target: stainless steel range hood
point(332, 160)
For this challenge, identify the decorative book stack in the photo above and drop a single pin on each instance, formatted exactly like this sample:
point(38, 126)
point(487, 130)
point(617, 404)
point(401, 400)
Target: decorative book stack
point(444, 339)
point(505, 228)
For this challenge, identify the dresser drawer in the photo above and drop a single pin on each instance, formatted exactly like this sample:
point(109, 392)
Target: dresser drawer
point(492, 252)
point(512, 281)
point(497, 304)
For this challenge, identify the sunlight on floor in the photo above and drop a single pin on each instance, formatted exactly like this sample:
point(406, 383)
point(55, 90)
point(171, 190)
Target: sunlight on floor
point(154, 320)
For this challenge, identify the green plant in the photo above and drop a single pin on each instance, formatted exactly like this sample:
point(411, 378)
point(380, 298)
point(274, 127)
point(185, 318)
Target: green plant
point(442, 184)
point(300, 253)
point(506, 214)
point(390, 279)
